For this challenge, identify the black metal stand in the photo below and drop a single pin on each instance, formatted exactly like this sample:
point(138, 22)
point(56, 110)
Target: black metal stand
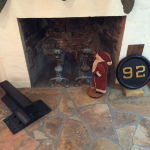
point(84, 69)
point(24, 111)
point(58, 69)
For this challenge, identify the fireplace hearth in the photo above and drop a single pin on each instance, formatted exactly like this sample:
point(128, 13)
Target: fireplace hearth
point(41, 36)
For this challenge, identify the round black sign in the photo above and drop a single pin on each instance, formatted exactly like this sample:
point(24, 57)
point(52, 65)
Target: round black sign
point(133, 71)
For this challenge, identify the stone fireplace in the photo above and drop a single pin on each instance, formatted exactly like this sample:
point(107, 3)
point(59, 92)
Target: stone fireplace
point(30, 31)
point(40, 37)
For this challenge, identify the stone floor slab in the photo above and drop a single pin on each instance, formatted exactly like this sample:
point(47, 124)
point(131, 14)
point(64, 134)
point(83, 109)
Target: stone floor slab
point(19, 141)
point(75, 136)
point(125, 136)
point(134, 147)
point(105, 144)
point(122, 119)
point(34, 126)
point(81, 98)
point(39, 135)
point(140, 105)
point(49, 96)
point(46, 145)
point(2, 93)
point(98, 118)
point(2, 112)
point(52, 127)
point(25, 91)
point(5, 113)
point(66, 105)
point(142, 135)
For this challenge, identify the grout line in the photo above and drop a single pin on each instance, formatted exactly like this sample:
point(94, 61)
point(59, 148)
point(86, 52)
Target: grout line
point(133, 135)
point(60, 135)
point(91, 137)
point(112, 117)
point(39, 145)
point(124, 126)
point(91, 134)
point(72, 99)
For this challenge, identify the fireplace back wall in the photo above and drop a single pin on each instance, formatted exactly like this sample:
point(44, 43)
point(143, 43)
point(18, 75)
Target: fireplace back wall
point(41, 37)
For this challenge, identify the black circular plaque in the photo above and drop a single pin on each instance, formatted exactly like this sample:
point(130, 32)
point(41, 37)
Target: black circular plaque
point(133, 71)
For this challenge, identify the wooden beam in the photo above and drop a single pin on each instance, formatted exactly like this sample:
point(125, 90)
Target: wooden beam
point(135, 49)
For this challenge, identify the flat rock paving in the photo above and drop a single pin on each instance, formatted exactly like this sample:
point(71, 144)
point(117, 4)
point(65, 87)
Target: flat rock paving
point(79, 122)
point(98, 118)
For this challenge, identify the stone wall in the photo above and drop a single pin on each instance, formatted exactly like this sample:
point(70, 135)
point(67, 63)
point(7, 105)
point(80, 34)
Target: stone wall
point(71, 35)
point(32, 32)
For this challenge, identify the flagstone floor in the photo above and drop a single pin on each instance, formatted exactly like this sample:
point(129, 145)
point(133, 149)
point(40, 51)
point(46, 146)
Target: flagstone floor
point(79, 122)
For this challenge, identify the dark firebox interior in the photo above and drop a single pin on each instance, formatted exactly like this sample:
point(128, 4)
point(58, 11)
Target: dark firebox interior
point(41, 36)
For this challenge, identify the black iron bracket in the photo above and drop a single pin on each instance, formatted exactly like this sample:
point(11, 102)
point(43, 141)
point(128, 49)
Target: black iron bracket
point(24, 112)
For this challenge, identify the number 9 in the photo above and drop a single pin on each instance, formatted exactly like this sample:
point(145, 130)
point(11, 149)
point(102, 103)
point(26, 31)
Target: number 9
point(129, 72)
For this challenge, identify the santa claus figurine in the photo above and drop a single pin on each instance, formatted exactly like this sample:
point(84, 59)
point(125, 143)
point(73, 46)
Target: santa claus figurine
point(99, 78)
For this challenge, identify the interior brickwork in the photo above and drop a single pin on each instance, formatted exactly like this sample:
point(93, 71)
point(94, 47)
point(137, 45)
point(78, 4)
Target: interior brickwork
point(42, 36)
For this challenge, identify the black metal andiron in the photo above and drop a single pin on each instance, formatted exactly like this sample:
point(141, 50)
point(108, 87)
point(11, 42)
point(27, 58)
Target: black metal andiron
point(58, 70)
point(24, 112)
point(85, 68)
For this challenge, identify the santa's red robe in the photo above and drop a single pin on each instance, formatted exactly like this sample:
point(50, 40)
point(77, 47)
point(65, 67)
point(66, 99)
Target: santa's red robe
point(100, 82)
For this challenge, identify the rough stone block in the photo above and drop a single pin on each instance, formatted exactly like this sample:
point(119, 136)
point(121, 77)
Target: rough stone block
point(104, 143)
point(66, 105)
point(52, 127)
point(46, 145)
point(74, 136)
point(98, 119)
point(123, 119)
point(142, 134)
point(39, 135)
point(125, 136)
point(135, 92)
point(81, 98)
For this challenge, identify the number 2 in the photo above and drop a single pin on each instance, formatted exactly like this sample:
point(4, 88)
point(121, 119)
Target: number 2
point(137, 73)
